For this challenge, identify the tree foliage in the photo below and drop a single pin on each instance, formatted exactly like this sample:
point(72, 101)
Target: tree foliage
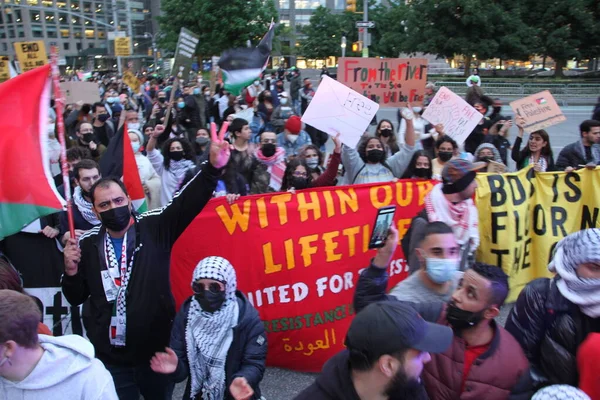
point(220, 25)
point(323, 35)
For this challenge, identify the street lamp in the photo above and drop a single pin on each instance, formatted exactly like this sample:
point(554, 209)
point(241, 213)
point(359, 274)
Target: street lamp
point(154, 50)
point(343, 46)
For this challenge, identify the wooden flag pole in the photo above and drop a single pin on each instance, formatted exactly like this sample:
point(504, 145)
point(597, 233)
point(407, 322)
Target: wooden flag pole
point(59, 101)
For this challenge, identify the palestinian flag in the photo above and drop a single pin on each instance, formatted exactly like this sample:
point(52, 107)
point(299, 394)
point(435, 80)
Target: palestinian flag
point(241, 67)
point(119, 161)
point(541, 101)
point(27, 190)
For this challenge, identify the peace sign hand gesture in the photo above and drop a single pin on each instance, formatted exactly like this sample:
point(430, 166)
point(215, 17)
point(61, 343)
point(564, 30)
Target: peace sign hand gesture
point(219, 148)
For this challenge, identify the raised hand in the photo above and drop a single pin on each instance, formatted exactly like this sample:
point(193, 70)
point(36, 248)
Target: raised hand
point(158, 130)
point(338, 143)
point(219, 148)
point(240, 389)
point(164, 363)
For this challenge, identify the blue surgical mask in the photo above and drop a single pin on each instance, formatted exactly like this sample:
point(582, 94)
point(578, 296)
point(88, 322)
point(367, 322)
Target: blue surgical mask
point(312, 162)
point(135, 146)
point(196, 91)
point(180, 104)
point(283, 101)
point(441, 270)
point(112, 99)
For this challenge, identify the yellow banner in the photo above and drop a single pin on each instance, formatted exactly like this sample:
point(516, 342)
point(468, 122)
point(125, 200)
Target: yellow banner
point(31, 54)
point(4, 68)
point(132, 81)
point(523, 215)
point(122, 46)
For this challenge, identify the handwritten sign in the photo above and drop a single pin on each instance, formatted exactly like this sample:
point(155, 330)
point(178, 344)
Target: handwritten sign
point(132, 81)
point(337, 108)
point(457, 116)
point(391, 82)
point(4, 68)
point(31, 54)
point(539, 111)
point(122, 47)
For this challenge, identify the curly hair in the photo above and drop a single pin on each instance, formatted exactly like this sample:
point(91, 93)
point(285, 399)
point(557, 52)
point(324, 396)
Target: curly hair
point(188, 152)
point(362, 147)
point(499, 280)
point(410, 170)
point(312, 147)
point(289, 173)
point(392, 140)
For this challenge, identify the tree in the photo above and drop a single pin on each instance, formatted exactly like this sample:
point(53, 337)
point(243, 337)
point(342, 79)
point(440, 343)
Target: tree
point(389, 35)
point(465, 27)
point(221, 25)
point(564, 29)
point(323, 35)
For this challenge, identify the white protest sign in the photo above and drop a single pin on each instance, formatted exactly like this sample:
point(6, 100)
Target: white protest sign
point(337, 108)
point(457, 116)
point(246, 114)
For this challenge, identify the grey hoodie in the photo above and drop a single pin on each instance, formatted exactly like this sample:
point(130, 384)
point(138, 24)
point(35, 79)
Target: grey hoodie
point(67, 370)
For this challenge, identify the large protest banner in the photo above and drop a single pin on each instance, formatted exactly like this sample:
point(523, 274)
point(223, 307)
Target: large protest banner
point(297, 258)
point(523, 215)
point(390, 82)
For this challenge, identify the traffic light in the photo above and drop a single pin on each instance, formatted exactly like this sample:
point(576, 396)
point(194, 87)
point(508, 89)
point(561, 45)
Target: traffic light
point(357, 46)
point(351, 5)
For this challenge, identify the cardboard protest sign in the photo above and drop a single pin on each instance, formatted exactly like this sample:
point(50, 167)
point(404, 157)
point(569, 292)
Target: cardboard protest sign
point(122, 47)
point(496, 167)
point(539, 111)
point(80, 91)
point(4, 68)
point(132, 81)
point(186, 47)
point(31, 54)
point(337, 108)
point(390, 82)
point(458, 117)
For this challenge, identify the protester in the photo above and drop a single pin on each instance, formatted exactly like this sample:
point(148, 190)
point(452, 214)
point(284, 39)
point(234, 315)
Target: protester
point(253, 91)
point(420, 126)
point(298, 174)
point(36, 366)
point(375, 367)
point(430, 91)
point(104, 129)
point(53, 147)
point(218, 339)
point(486, 153)
point(202, 145)
point(484, 360)
point(497, 136)
point(437, 274)
point(79, 115)
point(266, 106)
point(368, 164)
point(85, 139)
point(150, 180)
point(243, 159)
point(314, 160)
point(554, 316)
point(268, 175)
point(176, 159)
point(233, 106)
point(133, 311)
point(585, 151)
point(478, 135)
point(587, 365)
point(419, 166)
point(538, 151)
point(385, 133)
point(445, 149)
point(496, 115)
point(306, 94)
point(560, 392)
point(293, 138)
point(86, 173)
point(201, 105)
point(190, 115)
point(450, 202)
point(282, 113)
point(295, 86)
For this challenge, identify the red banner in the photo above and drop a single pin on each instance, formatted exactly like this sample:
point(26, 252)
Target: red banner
point(297, 259)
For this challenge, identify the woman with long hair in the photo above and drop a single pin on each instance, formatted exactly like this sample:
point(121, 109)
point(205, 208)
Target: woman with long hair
point(419, 167)
point(385, 132)
point(538, 151)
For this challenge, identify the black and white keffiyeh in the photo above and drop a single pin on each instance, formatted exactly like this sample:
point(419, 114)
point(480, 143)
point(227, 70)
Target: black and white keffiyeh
point(85, 207)
point(179, 168)
point(572, 251)
point(208, 336)
point(560, 392)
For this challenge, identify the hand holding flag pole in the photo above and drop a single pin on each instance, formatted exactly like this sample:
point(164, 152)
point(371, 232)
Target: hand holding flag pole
point(60, 106)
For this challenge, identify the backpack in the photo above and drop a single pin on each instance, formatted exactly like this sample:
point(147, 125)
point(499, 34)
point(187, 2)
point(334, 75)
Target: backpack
point(405, 242)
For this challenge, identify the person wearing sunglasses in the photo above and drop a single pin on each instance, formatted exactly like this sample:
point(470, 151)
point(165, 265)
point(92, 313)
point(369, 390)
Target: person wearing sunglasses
point(218, 339)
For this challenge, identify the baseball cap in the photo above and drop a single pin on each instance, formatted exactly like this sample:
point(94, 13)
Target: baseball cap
point(390, 326)
point(458, 174)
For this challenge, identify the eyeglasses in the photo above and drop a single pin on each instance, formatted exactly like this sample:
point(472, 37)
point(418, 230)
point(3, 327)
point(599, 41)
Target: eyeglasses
point(200, 288)
point(299, 174)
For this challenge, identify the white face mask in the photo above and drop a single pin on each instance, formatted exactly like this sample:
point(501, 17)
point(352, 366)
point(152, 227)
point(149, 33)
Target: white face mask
point(293, 138)
point(256, 83)
point(283, 101)
point(133, 125)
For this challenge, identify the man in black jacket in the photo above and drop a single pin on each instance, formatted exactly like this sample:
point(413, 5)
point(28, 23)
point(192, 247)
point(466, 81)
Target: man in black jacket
point(584, 151)
point(122, 266)
point(388, 344)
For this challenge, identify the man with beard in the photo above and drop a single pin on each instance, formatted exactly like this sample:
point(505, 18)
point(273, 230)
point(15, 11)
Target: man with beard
point(484, 360)
point(388, 344)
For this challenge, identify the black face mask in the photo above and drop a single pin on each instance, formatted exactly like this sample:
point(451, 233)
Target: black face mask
point(445, 156)
point(298, 183)
point(176, 155)
point(375, 156)
point(116, 219)
point(269, 98)
point(421, 172)
point(162, 99)
point(268, 149)
point(486, 159)
point(461, 319)
point(103, 117)
point(386, 132)
point(209, 301)
point(497, 110)
point(87, 137)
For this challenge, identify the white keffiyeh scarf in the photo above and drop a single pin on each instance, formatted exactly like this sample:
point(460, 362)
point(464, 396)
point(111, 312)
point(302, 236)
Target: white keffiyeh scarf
point(208, 336)
point(572, 251)
point(84, 207)
point(461, 217)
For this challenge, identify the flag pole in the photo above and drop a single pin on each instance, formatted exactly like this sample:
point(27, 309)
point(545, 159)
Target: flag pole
point(59, 100)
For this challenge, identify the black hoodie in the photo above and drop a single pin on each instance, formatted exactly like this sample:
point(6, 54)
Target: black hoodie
point(334, 383)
